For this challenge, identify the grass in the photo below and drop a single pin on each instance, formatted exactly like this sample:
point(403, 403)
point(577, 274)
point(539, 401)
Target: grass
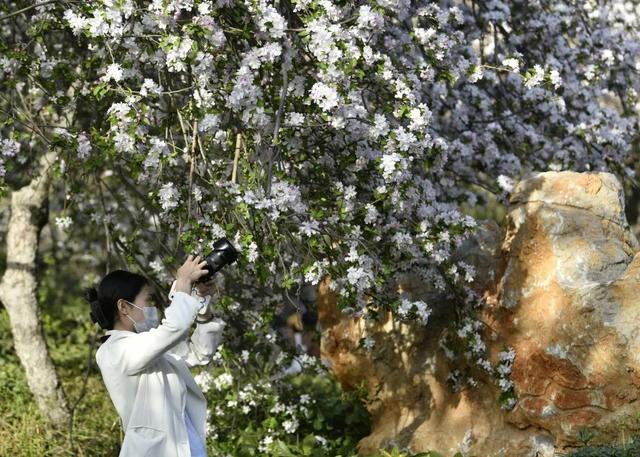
point(23, 431)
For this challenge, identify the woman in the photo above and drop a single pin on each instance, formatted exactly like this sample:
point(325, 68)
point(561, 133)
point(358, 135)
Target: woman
point(145, 366)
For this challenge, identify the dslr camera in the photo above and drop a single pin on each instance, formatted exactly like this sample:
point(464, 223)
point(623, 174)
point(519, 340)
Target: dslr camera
point(224, 253)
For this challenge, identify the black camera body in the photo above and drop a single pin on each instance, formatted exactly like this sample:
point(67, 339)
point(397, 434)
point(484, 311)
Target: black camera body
point(224, 253)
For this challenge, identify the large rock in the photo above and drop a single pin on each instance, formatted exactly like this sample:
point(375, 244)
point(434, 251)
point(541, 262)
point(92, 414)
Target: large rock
point(562, 288)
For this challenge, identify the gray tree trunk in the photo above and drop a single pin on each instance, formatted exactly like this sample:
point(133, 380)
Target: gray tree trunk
point(18, 293)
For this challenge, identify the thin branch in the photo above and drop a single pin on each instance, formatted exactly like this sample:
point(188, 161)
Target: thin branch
point(193, 162)
point(35, 5)
point(236, 157)
point(108, 235)
point(275, 145)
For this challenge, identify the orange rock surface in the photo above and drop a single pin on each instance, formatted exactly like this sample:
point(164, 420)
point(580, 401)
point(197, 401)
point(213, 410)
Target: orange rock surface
point(561, 283)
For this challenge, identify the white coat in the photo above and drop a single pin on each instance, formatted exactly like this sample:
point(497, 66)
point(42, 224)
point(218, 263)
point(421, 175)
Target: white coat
point(147, 376)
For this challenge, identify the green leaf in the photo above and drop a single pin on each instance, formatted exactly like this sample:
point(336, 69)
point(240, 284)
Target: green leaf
point(100, 90)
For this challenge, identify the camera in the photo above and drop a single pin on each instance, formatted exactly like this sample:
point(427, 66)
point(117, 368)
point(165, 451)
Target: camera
point(223, 254)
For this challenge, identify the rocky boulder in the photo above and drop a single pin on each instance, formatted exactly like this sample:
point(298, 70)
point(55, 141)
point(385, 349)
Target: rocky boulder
point(561, 287)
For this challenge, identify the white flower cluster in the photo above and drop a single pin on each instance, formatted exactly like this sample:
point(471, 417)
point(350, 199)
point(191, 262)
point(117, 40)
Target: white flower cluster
point(160, 271)
point(536, 77)
point(252, 252)
point(285, 199)
point(203, 379)
point(223, 381)
point(476, 348)
point(149, 86)
point(416, 309)
point(455, 380)
point(105, 22)
point(316, 271)
point(169, 196)
point(505, 364)
point(325, 96)
point(477, 74)
point(309, 228)
point(511, 64)
point(64, 223)
point(84, 146)
point(265, 443)
point(360, 275)
point(114, 73)
point(389, 165)
point(178, 51)
point(270, 20)
point(9, 149)
point(290, 425)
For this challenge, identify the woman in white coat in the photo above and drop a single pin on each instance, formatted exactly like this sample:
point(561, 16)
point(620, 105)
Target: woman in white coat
point(145, 364)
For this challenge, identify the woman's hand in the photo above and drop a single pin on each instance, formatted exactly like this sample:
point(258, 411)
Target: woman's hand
point(191, 270)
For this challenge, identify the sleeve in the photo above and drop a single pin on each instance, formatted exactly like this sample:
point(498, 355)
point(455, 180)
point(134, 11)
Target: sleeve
point(204, 301)
point(204, 341)
point(136, 352)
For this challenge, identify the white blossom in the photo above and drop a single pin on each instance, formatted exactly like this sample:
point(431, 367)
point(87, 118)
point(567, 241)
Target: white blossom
point(149, 86)
point(252, 252)
point(209, 123)
point(10, 148)
point(265, 444)
point(389, 163)
point(308, 228)
point(555, 78)
point(506, 183)
point(607, 57)
point(419, 308)
point(324, 96)
point(512, 64)
point(180, 48)
point(123, 142)
point(203, 379)
point(64, 223)
point(380, 127)
point(76, 22)
point(477, 74)
point(84, 146)
point(114, 73)
point(271, 21)
point(368, 343)
point(98, 26)
point(290, 425)
point(536, 77)
point(371, 215)
point(169, 196)
point(223, 381)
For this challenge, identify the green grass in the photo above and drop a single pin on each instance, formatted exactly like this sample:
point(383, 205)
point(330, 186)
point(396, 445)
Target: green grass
point(23, 431)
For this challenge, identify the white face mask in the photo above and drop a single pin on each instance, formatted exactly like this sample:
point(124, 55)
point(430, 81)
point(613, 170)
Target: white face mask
point(151, 319)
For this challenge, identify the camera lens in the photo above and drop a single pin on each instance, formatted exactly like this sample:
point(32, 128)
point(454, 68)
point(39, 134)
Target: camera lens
point(223, 254)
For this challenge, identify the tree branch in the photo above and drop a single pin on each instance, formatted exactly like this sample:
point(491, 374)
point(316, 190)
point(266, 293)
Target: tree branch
point(30, 7)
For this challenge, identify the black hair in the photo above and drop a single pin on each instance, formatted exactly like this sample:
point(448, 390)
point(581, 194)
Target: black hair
point(114, 286)
point(309, 319)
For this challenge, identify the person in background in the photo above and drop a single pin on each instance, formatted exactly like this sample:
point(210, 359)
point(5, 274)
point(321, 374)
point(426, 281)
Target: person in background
point(297, 324)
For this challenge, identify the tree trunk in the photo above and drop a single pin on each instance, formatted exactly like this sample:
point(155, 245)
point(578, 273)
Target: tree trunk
point(18, 293)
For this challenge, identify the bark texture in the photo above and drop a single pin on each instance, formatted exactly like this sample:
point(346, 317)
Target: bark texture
point(18, 293)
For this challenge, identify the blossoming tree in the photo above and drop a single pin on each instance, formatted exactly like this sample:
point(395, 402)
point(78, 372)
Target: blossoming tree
point(322, 137)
